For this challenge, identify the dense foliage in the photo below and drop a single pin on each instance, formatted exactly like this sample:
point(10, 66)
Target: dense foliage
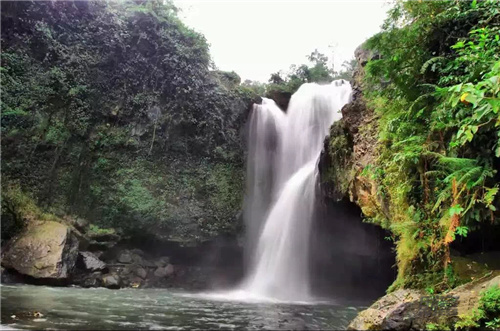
point(435, 87)
point(112, 111)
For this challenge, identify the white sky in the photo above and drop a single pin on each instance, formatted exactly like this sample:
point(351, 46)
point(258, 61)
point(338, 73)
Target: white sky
point(256, 38)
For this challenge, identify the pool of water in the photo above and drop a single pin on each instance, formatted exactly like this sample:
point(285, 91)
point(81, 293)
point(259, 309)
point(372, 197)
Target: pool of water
point(160, 309)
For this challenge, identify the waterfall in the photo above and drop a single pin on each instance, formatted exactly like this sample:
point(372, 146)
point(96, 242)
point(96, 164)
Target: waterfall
point(283, 152)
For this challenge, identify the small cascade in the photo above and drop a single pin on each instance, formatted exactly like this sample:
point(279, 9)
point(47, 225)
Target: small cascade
point(281, 186)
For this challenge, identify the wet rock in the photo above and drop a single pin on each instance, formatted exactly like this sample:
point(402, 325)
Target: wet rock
point(43, 250)
point(136, 282)
point(137, 251)
point(127, 270)
point(169, 269)
point(161, 272)
point(111, 281)
point(148, 264)
point(98, 254)
point(165, 271)
point(137, 259)
point(125, 257)
point(141, 272)
point(162, 261)
point(91, 262)
point(281, 98)
point(93, 280)
point(376, 313)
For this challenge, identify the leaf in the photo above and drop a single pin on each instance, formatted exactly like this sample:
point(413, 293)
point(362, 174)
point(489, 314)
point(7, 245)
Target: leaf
point(462, 231)
point(460, 44)
point(469, 135)
point(455, 210)
point(490, 195)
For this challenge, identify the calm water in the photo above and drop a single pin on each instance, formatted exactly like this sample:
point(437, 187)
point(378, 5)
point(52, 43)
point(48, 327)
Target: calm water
point(157, 309)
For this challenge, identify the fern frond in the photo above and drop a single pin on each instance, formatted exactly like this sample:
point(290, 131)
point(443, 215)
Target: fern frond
point(431, 62)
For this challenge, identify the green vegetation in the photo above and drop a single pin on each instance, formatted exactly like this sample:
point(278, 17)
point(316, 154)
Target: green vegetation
point(18, 209)
point(113, 111)
point(318, 71)
point(435, 88)
point(487, 315)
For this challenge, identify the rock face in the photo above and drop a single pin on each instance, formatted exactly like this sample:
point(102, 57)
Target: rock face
point(412, 310)
point(43, 250)
point(91, 262)
point(281, 98)
point(351, 146)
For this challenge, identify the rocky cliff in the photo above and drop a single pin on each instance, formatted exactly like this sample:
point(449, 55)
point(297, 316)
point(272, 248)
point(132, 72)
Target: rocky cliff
point(351, 147)
point(350, 152)
point(111, 112)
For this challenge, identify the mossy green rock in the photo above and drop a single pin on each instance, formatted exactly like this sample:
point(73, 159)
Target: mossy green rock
point(412, 310)
point(42, 250)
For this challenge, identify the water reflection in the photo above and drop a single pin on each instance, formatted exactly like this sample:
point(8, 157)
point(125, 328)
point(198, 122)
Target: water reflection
point(76, 308)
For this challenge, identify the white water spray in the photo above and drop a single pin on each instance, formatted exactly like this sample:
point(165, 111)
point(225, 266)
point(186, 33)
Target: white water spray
point(281, 181)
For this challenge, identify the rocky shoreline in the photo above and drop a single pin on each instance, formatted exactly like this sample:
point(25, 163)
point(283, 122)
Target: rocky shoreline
point(68, 254)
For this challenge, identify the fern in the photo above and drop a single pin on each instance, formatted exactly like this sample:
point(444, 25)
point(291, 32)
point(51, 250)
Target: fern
point(432, 62)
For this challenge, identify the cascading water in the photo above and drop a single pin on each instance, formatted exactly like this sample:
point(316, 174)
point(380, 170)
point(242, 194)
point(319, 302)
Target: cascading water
point(281, 180)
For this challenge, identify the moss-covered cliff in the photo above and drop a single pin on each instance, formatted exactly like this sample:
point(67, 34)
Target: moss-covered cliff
point(112, 111)
point(418, 147)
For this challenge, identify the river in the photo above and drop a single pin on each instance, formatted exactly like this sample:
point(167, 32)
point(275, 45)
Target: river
point(161, 309)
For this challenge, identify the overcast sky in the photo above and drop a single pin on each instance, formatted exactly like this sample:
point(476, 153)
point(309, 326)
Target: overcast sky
point(256, 37)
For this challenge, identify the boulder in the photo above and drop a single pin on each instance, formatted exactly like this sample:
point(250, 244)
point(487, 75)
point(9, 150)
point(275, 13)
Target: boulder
point(111, 281)
point(169, 269)
point(137, 259)
point(137, 251)
point(125, 257)
point(91, 262)
point(412, 310)
point(161, 272)
point(92, 280)
point(162, 261)
point(376, 313)
point(149, 264)
point(165, 271)
point(141, 272)
point(42, 250)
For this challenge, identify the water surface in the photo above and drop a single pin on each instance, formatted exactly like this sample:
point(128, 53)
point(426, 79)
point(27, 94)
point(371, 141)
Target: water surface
point(160, 309)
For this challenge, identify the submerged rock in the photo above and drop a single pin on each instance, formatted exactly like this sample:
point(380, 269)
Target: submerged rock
point(42, 250)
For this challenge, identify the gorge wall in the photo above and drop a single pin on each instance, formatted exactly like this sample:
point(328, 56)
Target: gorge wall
point(114, 113)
